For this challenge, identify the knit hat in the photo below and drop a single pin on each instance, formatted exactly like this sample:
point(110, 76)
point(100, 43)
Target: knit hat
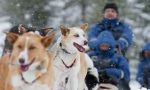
point(112, 6)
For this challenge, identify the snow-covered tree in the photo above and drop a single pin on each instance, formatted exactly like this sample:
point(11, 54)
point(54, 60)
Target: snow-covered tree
point(29, 12)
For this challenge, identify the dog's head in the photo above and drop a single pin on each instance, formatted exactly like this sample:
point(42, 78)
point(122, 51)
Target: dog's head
point(74, 39)
point(29, 50)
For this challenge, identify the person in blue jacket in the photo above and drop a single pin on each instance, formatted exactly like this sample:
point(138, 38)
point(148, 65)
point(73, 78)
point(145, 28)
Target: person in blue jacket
point(121, 31)
point(112, 67)
point(143, 74)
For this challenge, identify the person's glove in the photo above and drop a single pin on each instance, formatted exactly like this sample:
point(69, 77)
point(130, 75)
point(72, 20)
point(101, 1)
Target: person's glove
point(121, 44)
point(104, 78)
point(93, 44)
point(90, 80)
point(102, 73)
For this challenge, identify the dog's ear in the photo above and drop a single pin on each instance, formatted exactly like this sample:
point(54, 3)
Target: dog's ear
point(11, 37)
point(84, 26)
point(47, 31)
point(64, 30)
point(21, 29)
point(47, 40)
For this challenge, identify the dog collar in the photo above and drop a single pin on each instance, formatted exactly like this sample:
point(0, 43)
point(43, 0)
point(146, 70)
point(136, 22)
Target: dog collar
point(64, 49)
point(70, 66)
point(29, 82)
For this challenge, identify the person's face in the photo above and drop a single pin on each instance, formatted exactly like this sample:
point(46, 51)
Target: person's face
point(110, 13)
point(147, 53)
point(104, 47)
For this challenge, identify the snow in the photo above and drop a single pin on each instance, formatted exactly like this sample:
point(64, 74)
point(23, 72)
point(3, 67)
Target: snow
point(139, 6)
point(55, 3)
point(145, 16)
point(27, 16)
point(18, 5)
point(146, 32)
point(4, 27)
point(131, 1)
point(129, 21)
point(134, 85)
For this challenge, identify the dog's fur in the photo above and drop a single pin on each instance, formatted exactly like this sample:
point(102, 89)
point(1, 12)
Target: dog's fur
point(4, 61)
point(71, 63)
point(31, 65)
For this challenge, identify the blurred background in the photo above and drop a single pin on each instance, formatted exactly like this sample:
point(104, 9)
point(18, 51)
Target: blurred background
point(52, 13)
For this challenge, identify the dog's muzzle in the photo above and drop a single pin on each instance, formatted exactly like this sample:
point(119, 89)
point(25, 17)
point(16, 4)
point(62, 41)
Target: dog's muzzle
point(79, 47)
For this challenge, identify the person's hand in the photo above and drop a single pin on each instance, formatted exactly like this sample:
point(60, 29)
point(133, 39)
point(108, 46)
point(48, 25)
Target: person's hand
point(121, 44)
point(93, 43)
point(102, 73)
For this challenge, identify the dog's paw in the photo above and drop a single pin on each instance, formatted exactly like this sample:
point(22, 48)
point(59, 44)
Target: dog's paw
point(93, 71)
point(91, 79)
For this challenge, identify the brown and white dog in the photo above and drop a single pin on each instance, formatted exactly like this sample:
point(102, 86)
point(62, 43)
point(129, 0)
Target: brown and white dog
point(71, 63)
point(31, 65)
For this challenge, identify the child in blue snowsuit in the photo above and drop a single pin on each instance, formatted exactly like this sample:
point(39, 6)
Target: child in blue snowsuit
point(143, 74)
point(112, 67)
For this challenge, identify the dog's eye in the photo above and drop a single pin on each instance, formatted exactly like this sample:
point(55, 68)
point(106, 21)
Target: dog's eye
point(19, 46)
point(76, 35)
point(32, 47)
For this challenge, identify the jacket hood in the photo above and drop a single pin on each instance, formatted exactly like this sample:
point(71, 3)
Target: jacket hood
point(146, 47)
point(106, 37)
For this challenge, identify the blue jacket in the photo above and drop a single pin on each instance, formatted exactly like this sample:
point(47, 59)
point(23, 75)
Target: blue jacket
point(121, 67)
point(120, 30)
point(143, 74)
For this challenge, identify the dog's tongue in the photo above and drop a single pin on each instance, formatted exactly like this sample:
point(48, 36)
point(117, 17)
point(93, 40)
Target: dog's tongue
point(24, 67)
point(80, 48)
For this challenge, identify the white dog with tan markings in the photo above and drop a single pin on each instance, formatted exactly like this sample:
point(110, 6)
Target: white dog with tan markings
point(71, 63)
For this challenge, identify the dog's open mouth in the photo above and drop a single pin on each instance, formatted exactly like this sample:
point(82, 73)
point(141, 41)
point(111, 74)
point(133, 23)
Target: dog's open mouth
point(25, 67)
point(79, 47)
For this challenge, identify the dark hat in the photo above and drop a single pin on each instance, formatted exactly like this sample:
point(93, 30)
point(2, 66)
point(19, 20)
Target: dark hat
point(112, 6)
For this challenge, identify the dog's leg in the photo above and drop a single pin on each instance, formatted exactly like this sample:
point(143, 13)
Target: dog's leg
point(82, 86)
point(92, 74)
point(73, 82)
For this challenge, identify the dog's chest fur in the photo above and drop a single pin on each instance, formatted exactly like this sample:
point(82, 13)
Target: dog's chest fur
point(61, 72)
point(19, 84)
point(68, 59)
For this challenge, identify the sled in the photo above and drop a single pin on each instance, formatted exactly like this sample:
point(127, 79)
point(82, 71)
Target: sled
point(107, 86)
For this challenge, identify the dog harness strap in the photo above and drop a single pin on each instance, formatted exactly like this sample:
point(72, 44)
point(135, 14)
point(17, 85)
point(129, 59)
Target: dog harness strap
point(64, 49)
point(32, 81)
point(70, 65)
point(66, 80)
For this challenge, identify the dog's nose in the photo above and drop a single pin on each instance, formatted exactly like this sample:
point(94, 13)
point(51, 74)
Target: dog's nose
point(85, 42)
point(21, 61)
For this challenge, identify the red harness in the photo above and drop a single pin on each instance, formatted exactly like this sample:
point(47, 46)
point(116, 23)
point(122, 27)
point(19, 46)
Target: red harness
point(70, 66)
